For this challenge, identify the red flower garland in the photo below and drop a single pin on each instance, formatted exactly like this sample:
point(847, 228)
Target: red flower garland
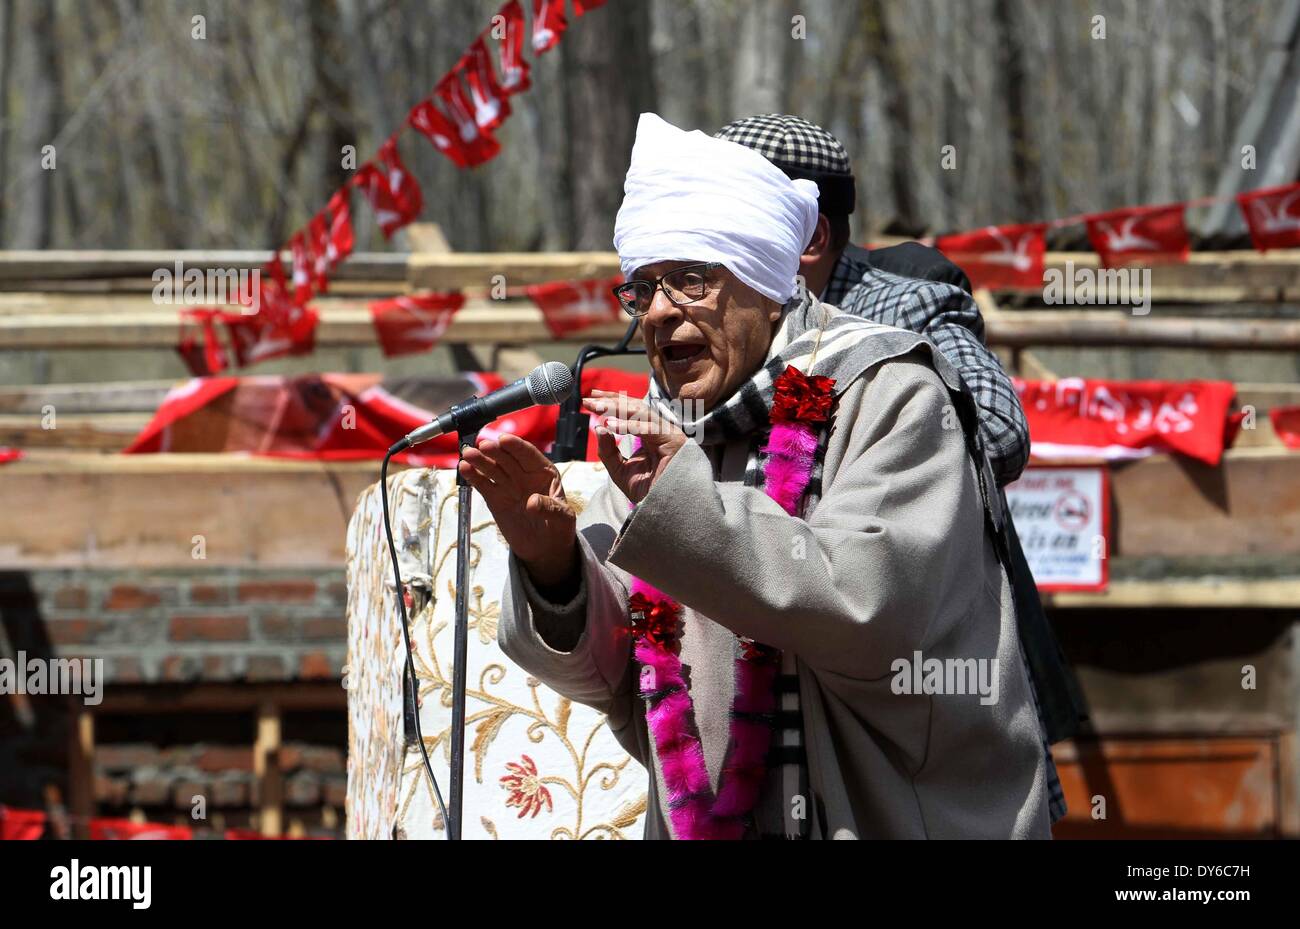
point(800, 404)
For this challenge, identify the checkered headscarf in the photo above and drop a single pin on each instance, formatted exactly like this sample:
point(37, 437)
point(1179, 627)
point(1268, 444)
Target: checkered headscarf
point(801, 150)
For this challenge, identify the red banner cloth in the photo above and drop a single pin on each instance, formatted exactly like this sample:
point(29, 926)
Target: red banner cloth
point(21, 825)
point(342, 417)
point(1141, 234)
point(122, 829)
point(415, 323)
point(1286, 423)
point(1116, 420)
point(571, 307)
point(999, 256)
point(1273, 216)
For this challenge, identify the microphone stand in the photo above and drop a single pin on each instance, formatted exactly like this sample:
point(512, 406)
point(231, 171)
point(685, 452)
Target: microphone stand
point(572, 425)
point(460, 656)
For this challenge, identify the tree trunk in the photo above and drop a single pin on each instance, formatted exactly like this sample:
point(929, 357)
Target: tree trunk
point(608, 82)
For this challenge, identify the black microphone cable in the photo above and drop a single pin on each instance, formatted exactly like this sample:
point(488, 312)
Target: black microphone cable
point(406, 637)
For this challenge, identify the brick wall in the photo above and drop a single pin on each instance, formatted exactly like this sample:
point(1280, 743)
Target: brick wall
point(172, 627)
point(201, 627)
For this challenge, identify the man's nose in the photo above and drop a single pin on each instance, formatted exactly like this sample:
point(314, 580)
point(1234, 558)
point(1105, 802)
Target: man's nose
point(662, 310)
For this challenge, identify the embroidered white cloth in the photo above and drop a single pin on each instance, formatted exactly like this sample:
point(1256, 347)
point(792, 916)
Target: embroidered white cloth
point(691, 197)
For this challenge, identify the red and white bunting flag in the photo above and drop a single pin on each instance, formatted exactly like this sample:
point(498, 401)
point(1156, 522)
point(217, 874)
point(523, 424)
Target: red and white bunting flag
point(341, 237)
point(373, 184)
point(291, 331)
point(1116, 420)
point(426, 119)
point(548, 24)
point(277, 326)
point(1145, 235)
point(405, 188)
point(510, 49)
point(318, 249)
point(302, 268)
point(999, 256)
point(583, 7)
point(570, 307)
point(1273, 216)
point(490, 104)
point(481, 146)
point(414, 323)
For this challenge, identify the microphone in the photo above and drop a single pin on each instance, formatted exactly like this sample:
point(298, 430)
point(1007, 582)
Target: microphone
point(547, 384)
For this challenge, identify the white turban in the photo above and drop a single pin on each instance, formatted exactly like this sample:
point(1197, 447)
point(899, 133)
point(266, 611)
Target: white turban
point(691, 197)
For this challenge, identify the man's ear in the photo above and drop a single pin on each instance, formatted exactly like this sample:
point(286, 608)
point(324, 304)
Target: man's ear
point(819, 245)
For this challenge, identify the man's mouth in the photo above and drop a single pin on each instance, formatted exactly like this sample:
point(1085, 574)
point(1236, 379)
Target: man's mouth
point(679, 356)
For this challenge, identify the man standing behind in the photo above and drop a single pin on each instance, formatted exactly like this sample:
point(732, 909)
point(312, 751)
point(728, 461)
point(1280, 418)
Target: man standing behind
point(883, 285)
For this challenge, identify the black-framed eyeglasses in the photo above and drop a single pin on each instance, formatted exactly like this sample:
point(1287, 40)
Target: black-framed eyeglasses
point(683, 286)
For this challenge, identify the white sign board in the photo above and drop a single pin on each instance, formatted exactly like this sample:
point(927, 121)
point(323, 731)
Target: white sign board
point(1062, 516)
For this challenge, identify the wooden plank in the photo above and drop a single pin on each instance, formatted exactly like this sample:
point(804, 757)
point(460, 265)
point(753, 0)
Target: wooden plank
point(122, 321)
point(1232, 593)
point(105, 432)
point(266, 770)
point(1205, 277)
point(125, 511)
point(30, 321)
point(1173, 507)
point(104, 397)
point(460, 270)
point(1083, 328)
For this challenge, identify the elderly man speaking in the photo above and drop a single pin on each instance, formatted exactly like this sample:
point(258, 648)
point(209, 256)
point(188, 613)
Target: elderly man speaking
point(788, 598)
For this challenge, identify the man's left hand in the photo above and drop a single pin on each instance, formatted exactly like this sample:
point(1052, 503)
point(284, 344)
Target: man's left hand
point(616, 415)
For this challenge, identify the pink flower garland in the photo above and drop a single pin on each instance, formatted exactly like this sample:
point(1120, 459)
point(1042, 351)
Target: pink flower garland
point(799, 407)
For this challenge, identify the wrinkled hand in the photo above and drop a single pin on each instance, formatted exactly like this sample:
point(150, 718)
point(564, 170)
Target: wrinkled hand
point(522, 488)
point(617, 414)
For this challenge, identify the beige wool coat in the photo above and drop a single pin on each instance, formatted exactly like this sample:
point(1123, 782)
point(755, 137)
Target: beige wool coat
point(895, 560)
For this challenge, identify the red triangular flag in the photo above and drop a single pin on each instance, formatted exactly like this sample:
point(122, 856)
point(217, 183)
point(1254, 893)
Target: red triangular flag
point(490, 104)
point(480, 146)
point(1273, 216)
point(413, 323)
point(405, 188)
point(433, 124)
point(510, 50)
point(569, 307)
point(1147, 234)
point(341, 238)
point(548, 24)
point(999, 256)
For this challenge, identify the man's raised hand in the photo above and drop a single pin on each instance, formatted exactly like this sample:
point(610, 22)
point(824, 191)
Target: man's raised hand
point(522, 488)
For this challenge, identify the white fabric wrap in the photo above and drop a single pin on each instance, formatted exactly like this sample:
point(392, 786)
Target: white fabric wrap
point(691, 197)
